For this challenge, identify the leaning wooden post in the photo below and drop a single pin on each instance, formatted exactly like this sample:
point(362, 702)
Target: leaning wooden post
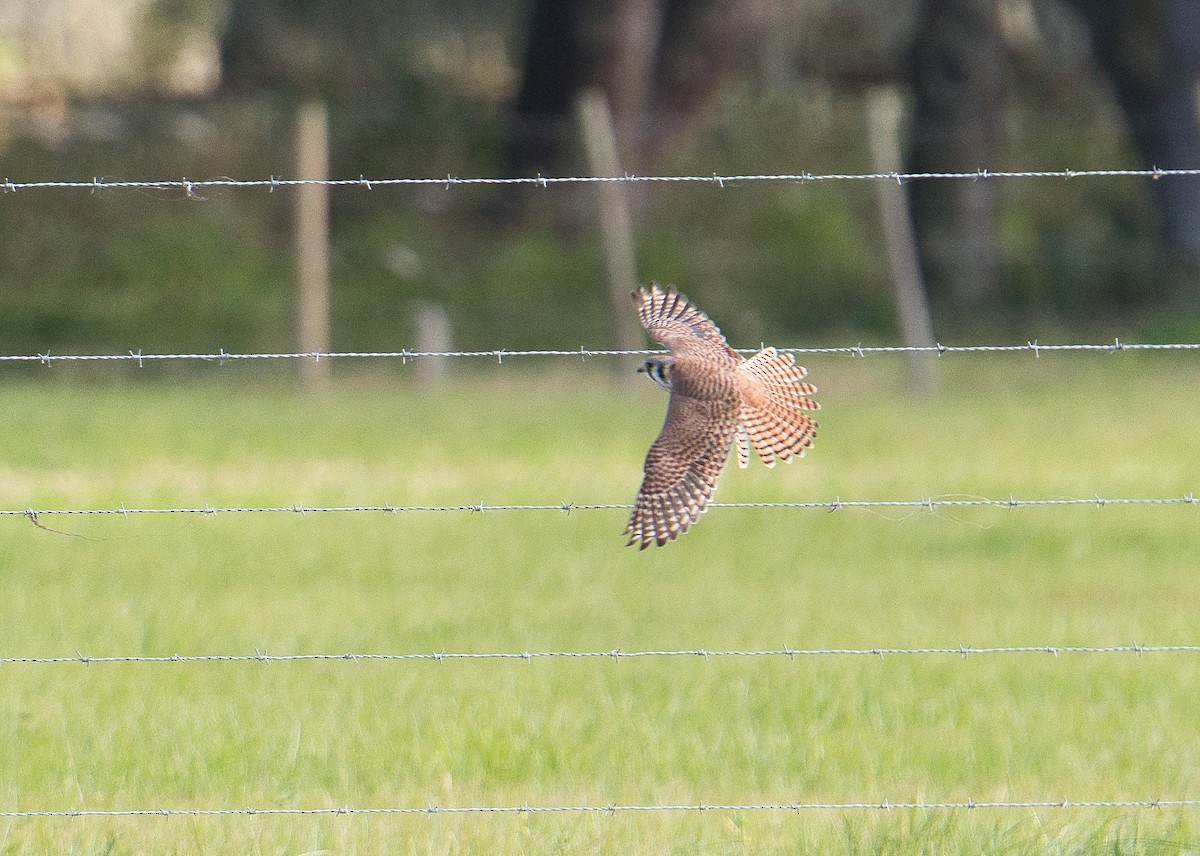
point(312, 242)
point(912, 308)
point(616, 227)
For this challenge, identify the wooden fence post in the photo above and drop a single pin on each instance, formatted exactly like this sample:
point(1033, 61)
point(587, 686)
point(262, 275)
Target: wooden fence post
point(616, 227)
point(312, 242)
point(912, 308)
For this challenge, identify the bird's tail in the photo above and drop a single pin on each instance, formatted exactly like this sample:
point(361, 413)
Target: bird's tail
point(774, 417)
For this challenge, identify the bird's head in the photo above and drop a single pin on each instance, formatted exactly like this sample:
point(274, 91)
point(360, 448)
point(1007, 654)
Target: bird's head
point(657, 369)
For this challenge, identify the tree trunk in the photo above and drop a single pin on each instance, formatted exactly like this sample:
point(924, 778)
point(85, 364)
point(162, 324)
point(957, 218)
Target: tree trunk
point(1151, 52)
point(551, 74)
point(577, 44)
point(956, 79)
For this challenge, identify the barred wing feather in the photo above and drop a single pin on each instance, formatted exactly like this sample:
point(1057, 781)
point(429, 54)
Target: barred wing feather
point(681, 472)
point(678, 324)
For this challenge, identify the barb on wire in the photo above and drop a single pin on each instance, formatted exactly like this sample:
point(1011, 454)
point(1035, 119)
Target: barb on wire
point(928, 504)
point(190, 187)
point(960, 651)
point(222, 357)
point(613, 808)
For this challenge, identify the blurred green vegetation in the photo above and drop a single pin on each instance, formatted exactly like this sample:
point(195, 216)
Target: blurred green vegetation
point(521, 267)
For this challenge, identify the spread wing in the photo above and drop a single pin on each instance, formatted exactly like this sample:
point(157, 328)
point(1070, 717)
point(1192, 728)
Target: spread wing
point(674, 321)
point(681, 469)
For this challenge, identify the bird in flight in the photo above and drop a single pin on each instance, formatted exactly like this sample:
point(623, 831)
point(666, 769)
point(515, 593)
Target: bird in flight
point(718, 399)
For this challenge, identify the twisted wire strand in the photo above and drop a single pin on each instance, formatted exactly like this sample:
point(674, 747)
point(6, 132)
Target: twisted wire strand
point(611, 809)
point(193, 187)
point(500, 354)
point(925, 504)
point(960, 651)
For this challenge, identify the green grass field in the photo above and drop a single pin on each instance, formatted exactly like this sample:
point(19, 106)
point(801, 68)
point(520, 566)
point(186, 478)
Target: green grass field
point(679, 730)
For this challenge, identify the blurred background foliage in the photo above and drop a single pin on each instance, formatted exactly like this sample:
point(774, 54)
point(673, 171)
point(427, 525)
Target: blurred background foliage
point(207, 88)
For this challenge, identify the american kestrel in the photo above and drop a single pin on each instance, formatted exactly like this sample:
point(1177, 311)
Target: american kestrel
point(717, 397)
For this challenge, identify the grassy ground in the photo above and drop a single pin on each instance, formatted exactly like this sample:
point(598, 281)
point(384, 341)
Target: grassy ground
point(598, 732)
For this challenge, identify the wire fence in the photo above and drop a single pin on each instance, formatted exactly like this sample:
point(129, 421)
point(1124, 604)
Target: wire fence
point(222, 356)
point(929, 504)
point(192, 187)
point(960, 651)
point(612, 809)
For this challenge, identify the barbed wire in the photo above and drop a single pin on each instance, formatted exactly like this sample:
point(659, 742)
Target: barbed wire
point(222, 356)
point(613, 808)
point(931, 504)
point(192, 187)
point(961, 651)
